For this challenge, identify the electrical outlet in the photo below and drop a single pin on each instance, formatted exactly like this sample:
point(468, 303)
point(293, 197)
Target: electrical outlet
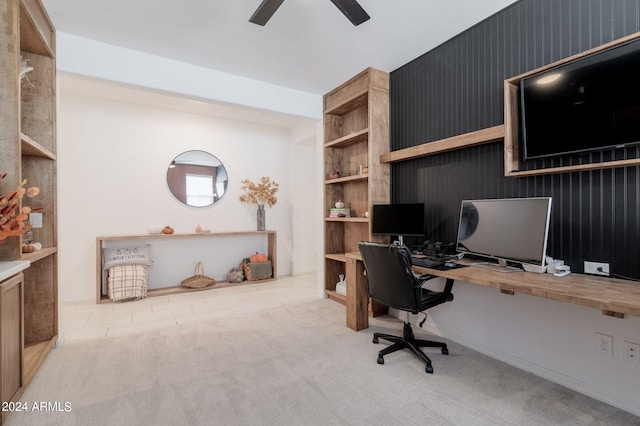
point(604, 344)
point(592, 268)
point(631, 352)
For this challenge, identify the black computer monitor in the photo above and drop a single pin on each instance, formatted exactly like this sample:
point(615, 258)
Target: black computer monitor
point(402, 220)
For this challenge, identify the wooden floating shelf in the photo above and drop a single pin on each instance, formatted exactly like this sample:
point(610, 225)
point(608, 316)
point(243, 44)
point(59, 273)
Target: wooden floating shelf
point(31, 148)
point(186, 235)
point(346, 179)
point(37, 255)
point(359, 99)
point(355, 137)
point(492, 134)
point(347, 219)
point(478, 137)
point(575, 168)
point(338, 257)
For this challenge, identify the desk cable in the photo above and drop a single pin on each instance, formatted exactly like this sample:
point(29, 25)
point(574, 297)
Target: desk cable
point(623, 277)
point(423, 320)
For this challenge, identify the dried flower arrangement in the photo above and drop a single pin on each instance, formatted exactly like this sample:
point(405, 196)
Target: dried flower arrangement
point(12, 223)
point(259, 193)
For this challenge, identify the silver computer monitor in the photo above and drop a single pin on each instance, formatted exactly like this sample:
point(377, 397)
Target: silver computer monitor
point(508, 230)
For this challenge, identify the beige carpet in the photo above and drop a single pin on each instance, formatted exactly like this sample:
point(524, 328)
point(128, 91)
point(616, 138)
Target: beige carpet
point(291, 366)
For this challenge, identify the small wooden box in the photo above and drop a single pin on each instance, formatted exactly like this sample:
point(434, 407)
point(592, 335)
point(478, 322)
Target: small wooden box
point(257, 270)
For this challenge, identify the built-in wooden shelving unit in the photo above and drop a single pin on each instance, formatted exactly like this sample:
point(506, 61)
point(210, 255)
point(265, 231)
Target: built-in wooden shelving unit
point(28, 151)
point(356, 132)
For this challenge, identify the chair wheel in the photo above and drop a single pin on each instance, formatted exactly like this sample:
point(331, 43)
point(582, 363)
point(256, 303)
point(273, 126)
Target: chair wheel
point(445, 351)
point(375, 339)
point(429, 369)
point(380, 359)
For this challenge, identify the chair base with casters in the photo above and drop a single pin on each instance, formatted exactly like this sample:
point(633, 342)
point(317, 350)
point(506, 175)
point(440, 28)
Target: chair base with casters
point(408, 341)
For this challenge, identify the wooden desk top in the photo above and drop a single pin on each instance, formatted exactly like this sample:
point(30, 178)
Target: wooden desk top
point(613, 296)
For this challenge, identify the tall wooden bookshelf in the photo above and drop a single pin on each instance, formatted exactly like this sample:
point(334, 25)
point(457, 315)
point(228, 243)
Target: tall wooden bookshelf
point(28, 151)
point(356, 133)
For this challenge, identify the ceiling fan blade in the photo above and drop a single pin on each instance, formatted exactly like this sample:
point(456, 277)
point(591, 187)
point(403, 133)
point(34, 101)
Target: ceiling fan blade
point(264, 12)
point(352, 10)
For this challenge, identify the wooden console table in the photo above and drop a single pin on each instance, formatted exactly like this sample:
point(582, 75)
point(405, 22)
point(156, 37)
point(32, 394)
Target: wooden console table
point(137, 240)
point(614, 297)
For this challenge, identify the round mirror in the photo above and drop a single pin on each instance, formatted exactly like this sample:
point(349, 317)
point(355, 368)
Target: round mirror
point(197, 178)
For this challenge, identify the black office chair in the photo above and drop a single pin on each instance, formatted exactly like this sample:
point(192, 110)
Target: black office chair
point(393, 283)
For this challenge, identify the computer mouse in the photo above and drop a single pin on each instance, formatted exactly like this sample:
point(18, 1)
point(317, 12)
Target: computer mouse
point(450, 264)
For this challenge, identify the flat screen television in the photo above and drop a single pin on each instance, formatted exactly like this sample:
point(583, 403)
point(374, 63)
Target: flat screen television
point(398, 219)
point(592, 103)
point(508, 230)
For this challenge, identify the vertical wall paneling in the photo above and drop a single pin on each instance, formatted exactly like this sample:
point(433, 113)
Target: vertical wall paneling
point(458, 88)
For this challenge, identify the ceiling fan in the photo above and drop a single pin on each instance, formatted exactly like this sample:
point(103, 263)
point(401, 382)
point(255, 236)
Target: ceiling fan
point(350, 8)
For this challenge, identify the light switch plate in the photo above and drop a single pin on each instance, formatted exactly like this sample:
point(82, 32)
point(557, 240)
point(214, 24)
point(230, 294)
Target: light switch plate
point(35, 219)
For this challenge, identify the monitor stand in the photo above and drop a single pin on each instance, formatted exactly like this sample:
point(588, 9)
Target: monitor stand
point(534, 268)
point(399, 241)
point(501, 266)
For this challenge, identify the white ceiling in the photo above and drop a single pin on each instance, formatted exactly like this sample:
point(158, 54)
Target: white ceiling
point(307, 45)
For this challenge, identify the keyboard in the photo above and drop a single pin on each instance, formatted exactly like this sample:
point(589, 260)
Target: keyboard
point(426, 262)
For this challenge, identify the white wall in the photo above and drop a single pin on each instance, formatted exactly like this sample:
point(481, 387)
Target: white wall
point(113, 156)
point(554, 340)
point(81, 56)
point(305, 194)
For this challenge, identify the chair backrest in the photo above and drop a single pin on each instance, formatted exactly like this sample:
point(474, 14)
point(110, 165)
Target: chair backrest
point(391, 280)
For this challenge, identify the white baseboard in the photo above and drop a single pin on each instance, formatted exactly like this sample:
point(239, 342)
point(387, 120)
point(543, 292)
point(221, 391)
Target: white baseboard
point(607, 396)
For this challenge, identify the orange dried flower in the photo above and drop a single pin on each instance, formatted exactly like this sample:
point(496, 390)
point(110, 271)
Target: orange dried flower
point(12, 222)
point(33, 191)
point(260, 193)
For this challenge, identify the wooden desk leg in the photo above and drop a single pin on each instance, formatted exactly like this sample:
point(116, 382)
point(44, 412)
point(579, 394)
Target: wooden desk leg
point(357, 296)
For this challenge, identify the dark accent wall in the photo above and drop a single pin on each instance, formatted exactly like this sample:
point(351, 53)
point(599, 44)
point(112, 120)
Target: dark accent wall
point(458, 87)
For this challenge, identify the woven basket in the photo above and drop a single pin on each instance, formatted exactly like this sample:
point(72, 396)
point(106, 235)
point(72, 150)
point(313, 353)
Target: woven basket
point(198, 280)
